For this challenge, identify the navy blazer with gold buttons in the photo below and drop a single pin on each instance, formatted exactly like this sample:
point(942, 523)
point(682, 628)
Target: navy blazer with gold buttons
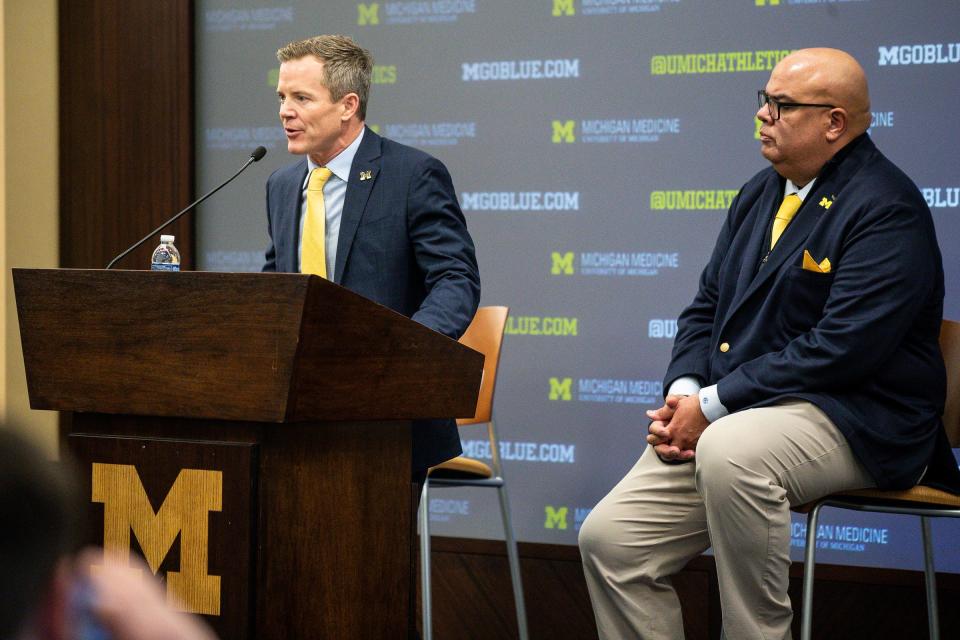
point(844, 312)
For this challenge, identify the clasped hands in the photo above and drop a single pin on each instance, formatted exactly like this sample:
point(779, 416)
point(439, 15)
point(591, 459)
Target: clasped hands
point(676, 427)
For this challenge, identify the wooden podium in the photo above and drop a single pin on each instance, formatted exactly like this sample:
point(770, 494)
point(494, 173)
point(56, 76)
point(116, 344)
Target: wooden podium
point(252, 433)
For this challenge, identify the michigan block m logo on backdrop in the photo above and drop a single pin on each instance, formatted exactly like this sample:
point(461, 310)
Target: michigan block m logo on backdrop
point(368, 13)
point(560, 389)
point(564, 131)
point(184, 512)
point(555, 518)
point(561, 263)
point(564, 8)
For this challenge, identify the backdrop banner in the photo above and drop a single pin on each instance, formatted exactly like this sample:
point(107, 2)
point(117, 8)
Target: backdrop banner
point(595, 146)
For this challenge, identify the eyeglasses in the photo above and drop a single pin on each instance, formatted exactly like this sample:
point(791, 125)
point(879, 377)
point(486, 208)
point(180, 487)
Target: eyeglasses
point(774, 105)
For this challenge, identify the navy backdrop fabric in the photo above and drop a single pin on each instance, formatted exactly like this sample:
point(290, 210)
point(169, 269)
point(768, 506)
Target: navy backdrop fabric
point(595, 146)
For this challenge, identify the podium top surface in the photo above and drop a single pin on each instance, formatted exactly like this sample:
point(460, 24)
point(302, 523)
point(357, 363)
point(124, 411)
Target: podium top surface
point(237, 346)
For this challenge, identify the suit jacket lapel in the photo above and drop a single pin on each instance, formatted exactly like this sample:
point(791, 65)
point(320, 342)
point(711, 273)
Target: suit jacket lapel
point(833, 177)
point(363, 175)
point(759, 241)
point(791, 240)
point(292, 192)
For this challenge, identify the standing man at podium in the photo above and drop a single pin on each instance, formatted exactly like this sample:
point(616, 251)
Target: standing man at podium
point(367, 213)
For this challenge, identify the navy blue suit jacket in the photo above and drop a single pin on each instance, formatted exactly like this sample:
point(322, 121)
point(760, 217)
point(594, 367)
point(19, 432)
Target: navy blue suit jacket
point(860, 342)
point(403, 243)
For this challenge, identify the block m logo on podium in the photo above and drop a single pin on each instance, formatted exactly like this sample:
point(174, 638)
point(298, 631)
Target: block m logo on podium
point(184, 513)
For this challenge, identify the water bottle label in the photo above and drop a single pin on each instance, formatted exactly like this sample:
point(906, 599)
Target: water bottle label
point(164, 266)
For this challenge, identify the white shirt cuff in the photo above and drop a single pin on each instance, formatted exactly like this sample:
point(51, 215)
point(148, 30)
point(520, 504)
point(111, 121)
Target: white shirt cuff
point(684, 386)
point(710, 403)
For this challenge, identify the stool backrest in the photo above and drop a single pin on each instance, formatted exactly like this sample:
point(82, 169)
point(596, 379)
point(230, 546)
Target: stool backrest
point(485, 334)
point(950, 346)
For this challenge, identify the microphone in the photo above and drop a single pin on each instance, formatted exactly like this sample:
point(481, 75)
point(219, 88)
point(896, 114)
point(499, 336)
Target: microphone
point(255, 156)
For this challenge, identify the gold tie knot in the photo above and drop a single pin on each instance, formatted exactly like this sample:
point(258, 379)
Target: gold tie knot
point(318, 178)
point(788, 209)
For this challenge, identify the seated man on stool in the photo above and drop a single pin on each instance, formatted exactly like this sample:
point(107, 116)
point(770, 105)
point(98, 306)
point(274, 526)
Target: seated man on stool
point(808, 363)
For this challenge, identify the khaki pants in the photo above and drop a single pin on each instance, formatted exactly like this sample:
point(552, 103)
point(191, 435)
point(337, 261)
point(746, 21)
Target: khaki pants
point(750, 467)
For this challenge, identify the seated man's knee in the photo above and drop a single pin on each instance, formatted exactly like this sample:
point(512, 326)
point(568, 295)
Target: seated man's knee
point(718, 453)
point(608, 537)
point(596, 532)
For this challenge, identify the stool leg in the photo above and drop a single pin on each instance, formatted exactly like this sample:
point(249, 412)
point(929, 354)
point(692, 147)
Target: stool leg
point(930, 579)
point(427, 619)
point(809, 562)
point(514, 560)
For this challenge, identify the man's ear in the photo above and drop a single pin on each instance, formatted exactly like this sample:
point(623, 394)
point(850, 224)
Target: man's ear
point(351, 105)
point(839, 122)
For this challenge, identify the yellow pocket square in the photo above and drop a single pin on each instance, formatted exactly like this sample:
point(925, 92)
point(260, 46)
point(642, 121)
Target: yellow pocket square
point(809, 264)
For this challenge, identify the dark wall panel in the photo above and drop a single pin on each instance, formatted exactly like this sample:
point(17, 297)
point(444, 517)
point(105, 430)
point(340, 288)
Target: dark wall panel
point(472, 597)
point(126, 127)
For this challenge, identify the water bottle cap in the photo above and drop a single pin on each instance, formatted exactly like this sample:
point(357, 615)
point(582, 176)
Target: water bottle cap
point(169, 239)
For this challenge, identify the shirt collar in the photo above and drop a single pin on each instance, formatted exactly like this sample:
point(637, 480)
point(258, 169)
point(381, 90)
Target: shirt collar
point(341, 163)
point(789, 188)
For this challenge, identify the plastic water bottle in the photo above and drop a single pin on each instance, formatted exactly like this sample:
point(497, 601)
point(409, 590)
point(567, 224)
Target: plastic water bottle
point(165, 257)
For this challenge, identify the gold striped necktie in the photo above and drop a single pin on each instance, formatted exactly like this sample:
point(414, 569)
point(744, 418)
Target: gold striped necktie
point(788, 209)
point(313, 251)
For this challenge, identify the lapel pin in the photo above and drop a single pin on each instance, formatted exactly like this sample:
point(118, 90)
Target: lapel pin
point(366, 175)
point(826, 204)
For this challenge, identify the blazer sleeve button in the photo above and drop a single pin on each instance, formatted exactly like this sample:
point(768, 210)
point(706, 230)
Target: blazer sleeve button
point(724, 347)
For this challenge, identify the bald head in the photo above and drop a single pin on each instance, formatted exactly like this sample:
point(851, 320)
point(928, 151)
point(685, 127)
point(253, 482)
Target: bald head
point(830, 108)
point(833, 77)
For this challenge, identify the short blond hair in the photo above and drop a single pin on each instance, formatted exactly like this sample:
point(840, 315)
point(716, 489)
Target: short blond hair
point(347, 67)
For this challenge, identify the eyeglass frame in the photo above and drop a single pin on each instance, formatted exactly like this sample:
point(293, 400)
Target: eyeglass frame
point(764, 100)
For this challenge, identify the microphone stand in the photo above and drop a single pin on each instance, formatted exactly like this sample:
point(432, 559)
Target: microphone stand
point(257, 154)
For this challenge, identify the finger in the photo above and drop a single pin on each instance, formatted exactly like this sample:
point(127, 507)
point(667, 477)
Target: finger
point(673, 401)
point(664, 413)
point(667, 451)
point(657, 414)
point(687, 454)
point(657, 428)
point(662, 434)
point(88, 557)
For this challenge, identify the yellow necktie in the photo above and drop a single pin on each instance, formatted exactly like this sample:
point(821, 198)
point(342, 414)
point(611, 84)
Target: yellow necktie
point(313, 250)
point(788, 209)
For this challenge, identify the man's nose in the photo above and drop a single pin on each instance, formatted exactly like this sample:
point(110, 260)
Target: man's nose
point(763, 114)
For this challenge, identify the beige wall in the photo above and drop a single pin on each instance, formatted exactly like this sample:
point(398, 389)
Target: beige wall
point(29, 184)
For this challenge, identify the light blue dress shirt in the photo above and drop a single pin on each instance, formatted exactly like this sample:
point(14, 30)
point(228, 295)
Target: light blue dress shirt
point(334, 193)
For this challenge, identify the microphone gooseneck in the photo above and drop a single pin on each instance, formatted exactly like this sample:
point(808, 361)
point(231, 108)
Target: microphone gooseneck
point(255, 156)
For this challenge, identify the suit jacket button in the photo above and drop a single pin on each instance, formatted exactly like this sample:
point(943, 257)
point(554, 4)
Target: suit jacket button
point(724, 347)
